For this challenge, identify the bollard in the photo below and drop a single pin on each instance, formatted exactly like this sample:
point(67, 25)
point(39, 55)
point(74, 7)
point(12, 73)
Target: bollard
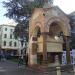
point(46, 73)
point(74, 68)
point(58, 70)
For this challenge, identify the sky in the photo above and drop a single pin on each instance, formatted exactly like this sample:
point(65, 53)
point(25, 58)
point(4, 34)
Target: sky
point(67, 6)
point(4, 19)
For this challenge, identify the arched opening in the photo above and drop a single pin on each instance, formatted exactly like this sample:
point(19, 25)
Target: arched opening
point(54, 41)
point(39, 54)
point(58, 32)
point(54, 30)
point(36, 44)
point(37, 31)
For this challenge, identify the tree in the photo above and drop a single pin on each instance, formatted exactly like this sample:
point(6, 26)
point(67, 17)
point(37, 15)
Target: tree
point(20, 11)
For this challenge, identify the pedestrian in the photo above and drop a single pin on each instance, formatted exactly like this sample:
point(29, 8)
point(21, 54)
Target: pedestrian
point(20, 61)
point(0, 57)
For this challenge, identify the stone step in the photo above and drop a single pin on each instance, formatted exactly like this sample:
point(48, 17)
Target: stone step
point(46, 69)
point(39, 68)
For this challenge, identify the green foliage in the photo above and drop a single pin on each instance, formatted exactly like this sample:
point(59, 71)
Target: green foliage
point(20, 11)
point(21, 31)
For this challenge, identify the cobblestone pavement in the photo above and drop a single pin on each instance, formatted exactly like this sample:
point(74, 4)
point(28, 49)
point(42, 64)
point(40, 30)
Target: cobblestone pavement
point(11, 68)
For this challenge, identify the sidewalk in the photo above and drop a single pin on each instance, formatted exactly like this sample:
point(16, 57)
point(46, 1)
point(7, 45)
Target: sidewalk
point(11, 68)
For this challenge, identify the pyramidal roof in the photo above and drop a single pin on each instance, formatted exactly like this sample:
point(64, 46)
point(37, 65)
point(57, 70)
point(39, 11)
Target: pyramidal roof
point(73, 13)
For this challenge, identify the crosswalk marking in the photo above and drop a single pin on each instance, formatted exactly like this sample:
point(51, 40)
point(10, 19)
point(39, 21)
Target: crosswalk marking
point(2, 70)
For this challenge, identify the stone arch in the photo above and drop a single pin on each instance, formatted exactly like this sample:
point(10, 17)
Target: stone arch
point(37, 27)
point(37, 31)
point(55, 29)
point(63, 25)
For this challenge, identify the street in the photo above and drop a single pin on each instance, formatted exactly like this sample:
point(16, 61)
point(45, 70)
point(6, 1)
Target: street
point(11, 68)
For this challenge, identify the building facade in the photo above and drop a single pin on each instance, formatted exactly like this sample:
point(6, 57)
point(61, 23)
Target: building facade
point(72, 23)
point(8, 44)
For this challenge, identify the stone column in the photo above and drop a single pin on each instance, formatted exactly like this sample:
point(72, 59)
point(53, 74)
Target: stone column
point(33, 59)
point(58, 70)
point(67, 40)
point(44, 48)
point(33, 52)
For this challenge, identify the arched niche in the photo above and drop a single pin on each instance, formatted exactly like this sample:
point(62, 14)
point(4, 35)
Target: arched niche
point(37, 31)
point(55, 30)
point(65, 27)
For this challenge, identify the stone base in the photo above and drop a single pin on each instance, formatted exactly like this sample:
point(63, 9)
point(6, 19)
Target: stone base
point(39, 68)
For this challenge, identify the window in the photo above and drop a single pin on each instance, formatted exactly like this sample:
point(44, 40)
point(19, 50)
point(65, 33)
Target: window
point(10, 36)
point(5, 35)
point(0, 28)
point(11, 30)
point(10, 43)
point(5, 29)
point(15, 44)
point(4, 43)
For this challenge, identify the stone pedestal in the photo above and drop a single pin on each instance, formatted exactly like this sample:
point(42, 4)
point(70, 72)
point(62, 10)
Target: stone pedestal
point(74, 69)
point(67, 40)
point(58, 70)
point(33, 59)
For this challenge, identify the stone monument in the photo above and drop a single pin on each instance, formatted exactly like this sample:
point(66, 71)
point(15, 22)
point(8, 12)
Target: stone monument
point(49, 29)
